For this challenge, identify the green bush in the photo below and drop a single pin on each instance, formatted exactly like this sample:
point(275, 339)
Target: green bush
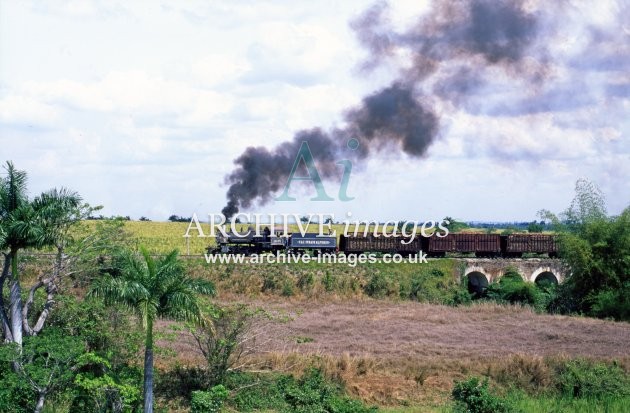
point(313, 394)
point(473, 396)
point(258, 392)
point(433, 285)
point(612, 303)
point(511, 288)
point(270, 283)
point(417, 287)
point(222, 342)
point(287, 288)
point(459, 296)
point(329, 282)
point(182, 381)
point(585, 379)
point(377, 286)
point(305, 281)
point(208, 401)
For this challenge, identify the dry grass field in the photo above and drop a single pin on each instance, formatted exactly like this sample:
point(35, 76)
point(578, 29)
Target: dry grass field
point(425, 331)
point(394, 353)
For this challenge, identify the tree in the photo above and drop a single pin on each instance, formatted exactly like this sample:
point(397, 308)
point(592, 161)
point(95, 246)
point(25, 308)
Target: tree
point(46, 363)
point(453, 225)
point(588, 206)
point(177, 218)
point(152, 289)
point(29, 224)
point(230, 336)
point(534, 226)
point(596, 248)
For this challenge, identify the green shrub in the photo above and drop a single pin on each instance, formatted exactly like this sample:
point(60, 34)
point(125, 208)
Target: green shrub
point(329, 282)
point(511, 288)
point(417, 285)
point(182, 381)
point(348, 405)
point(585, 379)
point(305, 281)
point(208, 401)
point(473, 396)
point(459, 296)
point(432, 285)
point(613, 303)
point(270, 283)
point(223, 342)
point(258, 392)
point(377, 286)
point(287, 288)
point(313, 394)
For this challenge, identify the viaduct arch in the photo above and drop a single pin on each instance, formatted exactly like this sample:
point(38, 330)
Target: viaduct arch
point(483, 271)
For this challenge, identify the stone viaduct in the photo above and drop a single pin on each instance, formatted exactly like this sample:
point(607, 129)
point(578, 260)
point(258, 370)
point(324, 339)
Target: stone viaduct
point(483, 271)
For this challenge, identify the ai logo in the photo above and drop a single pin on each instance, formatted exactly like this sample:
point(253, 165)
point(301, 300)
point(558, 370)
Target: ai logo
point(304, 154)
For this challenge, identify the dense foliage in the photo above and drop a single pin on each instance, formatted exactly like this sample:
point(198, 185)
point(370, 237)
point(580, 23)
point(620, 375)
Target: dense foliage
point(570, 385)
point(596, 248)
point(474, 396)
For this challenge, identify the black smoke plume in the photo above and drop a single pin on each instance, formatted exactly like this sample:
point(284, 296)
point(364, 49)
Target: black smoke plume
point(392, 117)
point(450, 49)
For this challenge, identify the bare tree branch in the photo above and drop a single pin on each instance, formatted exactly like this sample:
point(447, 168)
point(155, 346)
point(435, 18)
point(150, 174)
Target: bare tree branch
point(6, 328)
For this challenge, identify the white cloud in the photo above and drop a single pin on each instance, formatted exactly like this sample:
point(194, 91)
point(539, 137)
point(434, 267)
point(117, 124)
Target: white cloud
point(132, 91)
point(143, 106)
point(218, 69)
point(27, 110)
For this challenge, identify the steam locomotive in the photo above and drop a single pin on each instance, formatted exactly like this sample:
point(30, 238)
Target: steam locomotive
point(481, 245)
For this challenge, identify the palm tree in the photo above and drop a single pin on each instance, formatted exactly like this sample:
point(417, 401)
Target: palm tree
point(152, 289)
point(13, 206)
point(26, 224)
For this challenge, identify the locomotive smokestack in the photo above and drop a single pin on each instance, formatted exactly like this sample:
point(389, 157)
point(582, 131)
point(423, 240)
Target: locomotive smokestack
point(450, 50)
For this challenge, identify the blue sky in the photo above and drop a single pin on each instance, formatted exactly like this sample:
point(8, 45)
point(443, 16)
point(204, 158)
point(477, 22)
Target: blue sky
point(141, 106)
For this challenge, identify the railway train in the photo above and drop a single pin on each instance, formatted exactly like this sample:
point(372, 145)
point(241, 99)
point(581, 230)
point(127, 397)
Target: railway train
point(481, 245)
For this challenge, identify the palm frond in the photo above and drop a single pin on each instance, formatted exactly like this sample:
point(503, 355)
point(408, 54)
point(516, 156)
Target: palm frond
point(13, 189)
point(23, 230)
point(57, 200)
point(181, 305)
point(56, 209)
point(148, 258)
point(117, 290)
point(170, 271)
point(201, 286)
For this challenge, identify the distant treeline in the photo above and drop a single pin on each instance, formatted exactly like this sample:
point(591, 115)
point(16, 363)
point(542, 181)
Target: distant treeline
point(522, 225)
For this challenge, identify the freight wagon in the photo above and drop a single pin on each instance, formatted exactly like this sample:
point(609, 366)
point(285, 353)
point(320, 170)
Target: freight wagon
point(516, 245)
point(370, 243)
